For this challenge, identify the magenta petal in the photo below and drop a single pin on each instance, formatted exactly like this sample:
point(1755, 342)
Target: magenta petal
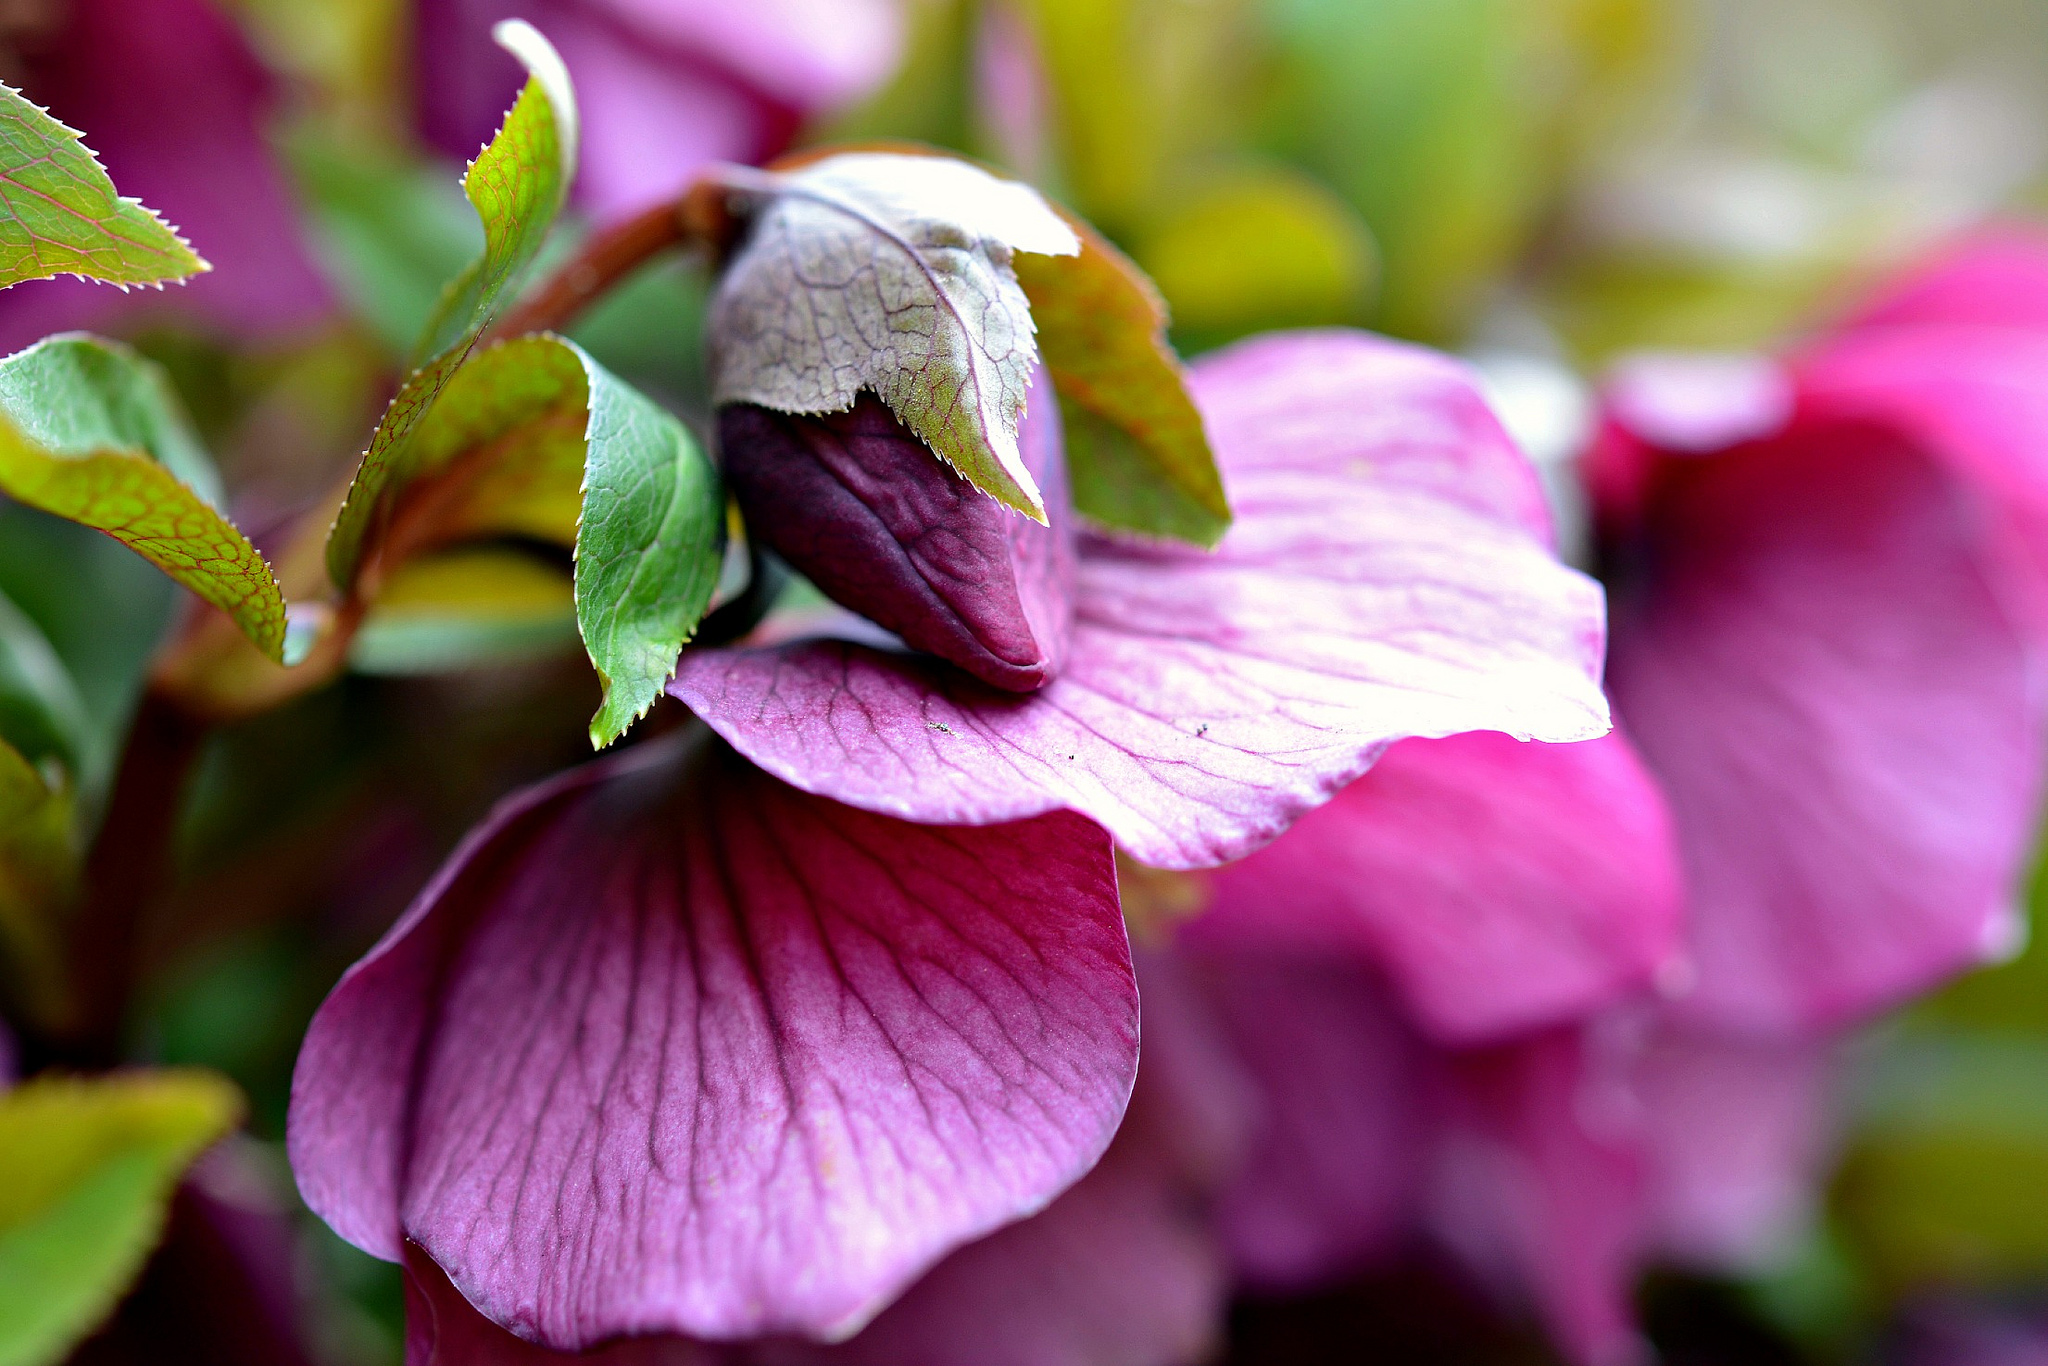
point(1821, 672)
point(1501, 885)
point(170, 97)
point(1993, 276)
point(1336, 1142)
point(1539, 1185)
point(1388, 575)
point(1737, 1136)
point(672, 1047)
point(863, 509)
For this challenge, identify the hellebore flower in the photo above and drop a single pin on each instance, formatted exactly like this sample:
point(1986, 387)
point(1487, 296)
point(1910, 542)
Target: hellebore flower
point(170, 97)
point(1388, 575)
point(664, 85)
point(681, 1045)
point(1827, 639)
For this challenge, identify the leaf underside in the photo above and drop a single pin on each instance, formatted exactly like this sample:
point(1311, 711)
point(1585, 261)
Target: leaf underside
point(873, 270)
point(60, 214)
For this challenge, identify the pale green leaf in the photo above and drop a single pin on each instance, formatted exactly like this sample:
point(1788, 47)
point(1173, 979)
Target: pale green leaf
point(1137, 453)
point(465, 608)
point(60, 214)
point(90, 1167)
point(91, 432)
point(874, 270)
point(517, 185)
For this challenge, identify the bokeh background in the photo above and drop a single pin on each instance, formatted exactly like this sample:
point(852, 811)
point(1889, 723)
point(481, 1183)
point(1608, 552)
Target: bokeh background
point(1541, 185)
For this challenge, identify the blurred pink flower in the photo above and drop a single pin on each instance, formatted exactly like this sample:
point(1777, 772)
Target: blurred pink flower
point(170, 96)
point(663, 85)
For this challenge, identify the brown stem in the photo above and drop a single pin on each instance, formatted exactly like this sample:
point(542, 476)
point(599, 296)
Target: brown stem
point(128, 865)
point(602, 262)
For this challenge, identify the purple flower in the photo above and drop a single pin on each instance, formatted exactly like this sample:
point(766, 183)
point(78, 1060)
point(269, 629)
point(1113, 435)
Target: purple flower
point(663, 85)
point(1826, 641)
point(681, 1045)
point(169, 95)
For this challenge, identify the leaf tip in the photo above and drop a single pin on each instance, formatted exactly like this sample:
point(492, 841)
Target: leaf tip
point(546, 67)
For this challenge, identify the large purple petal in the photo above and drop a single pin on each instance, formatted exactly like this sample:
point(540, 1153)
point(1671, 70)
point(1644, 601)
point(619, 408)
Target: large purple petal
point(1501, 885)
point(1821, 671)
point(1388, 575)
point(860, 506)
point(672, 1047)
point(169, 95)
point(1121, 1270)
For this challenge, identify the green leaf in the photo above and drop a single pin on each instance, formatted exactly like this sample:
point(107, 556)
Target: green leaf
point(1137, 452)
point(41, 711)
point(533, 438)
point(90, 1170)
point(890, 272)
point(38, 881)
point(90, 432)
point(59, 214)
point(517, 185)
point(466, 608)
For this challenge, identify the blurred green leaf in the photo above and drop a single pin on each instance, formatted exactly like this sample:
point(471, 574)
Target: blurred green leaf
point(59, 214)
point(466, 608)
point(1136, 448)
point(38, 883)
point(90, 1170)
point(92, 433)
point(1255, 248)
point(517, 185)
point(390, 230)
point(41, 712)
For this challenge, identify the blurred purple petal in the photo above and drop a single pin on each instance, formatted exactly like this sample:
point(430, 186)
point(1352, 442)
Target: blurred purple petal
point(1538, 1183)
point(862, 508)
point(1737, 1133)
point(1387, 575)
point(1501, 885)
point(663, 85)
point(1820, 669)
point(1338, 1123)
point(169, 95)
point(1694, 402)
point(671, 1047)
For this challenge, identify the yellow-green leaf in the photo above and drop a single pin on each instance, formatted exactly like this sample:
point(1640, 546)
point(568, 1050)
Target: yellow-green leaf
point(38, 881)
point(60, 214)
point(91, 432)
point(90, 1166)
point(517, 185)
point(464, 608)
point(1137, 452)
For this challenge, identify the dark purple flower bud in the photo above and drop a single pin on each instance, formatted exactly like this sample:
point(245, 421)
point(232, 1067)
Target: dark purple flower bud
point(860, 506)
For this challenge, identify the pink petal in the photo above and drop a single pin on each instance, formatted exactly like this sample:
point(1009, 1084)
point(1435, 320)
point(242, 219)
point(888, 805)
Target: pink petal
point(1336, 1150)
point(1388, 575)
point(170, 97)
point(1501, 885)
point(1737, 1135)
point(1695, 402)
point(1821, 672)
point(1538, 1185)
point(1994, 276)
point(862, 508)
point(671, 1047)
